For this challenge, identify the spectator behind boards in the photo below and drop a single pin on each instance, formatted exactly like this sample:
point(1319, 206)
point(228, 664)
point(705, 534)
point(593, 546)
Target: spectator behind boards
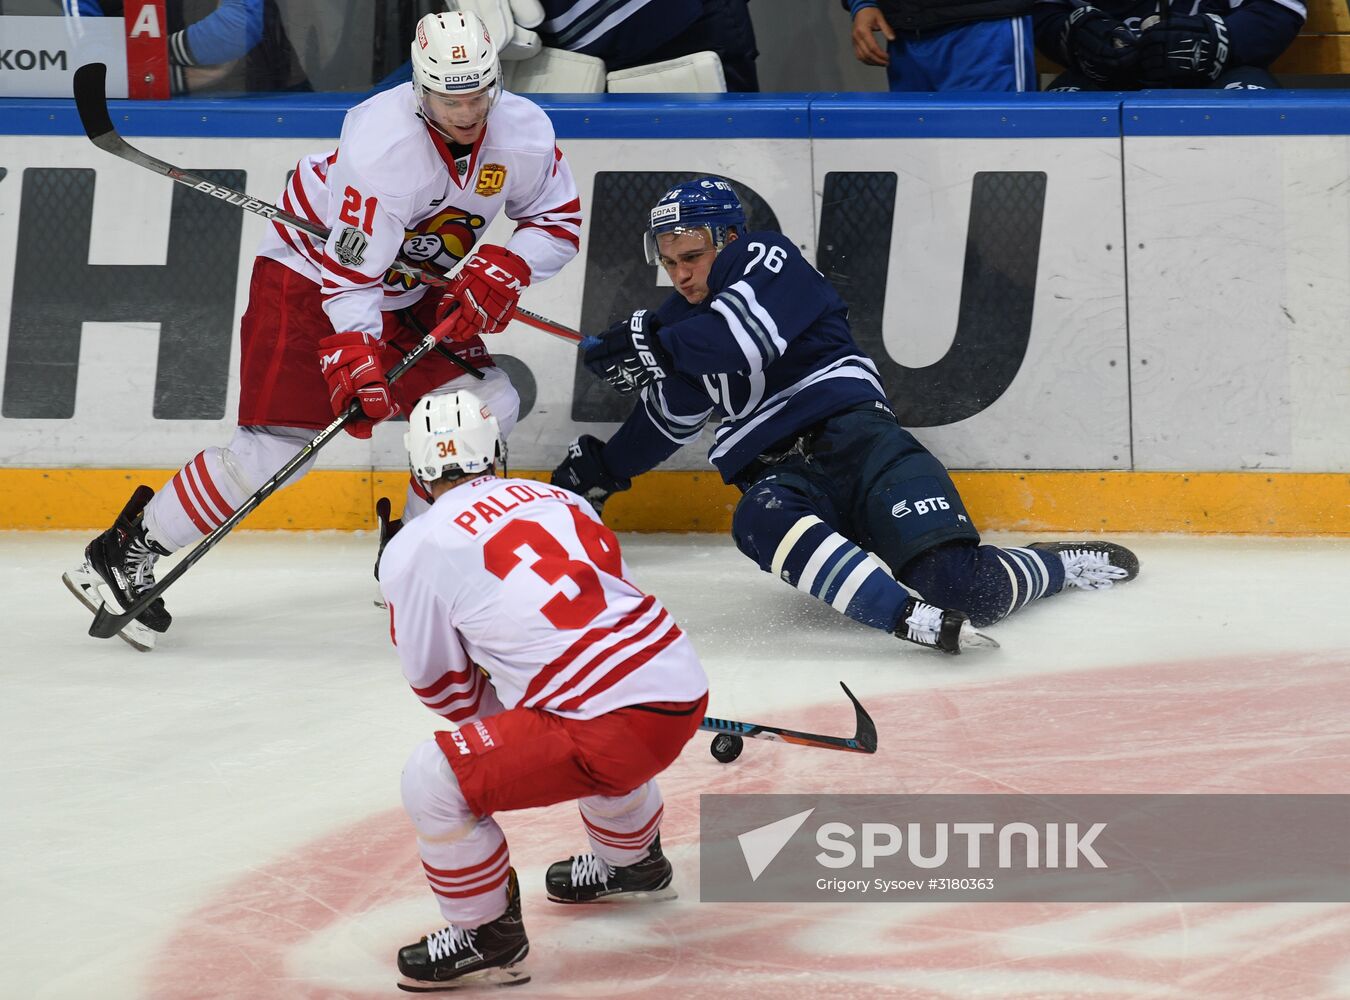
point(237, 45)
point(1133, 44)
point(958, 45)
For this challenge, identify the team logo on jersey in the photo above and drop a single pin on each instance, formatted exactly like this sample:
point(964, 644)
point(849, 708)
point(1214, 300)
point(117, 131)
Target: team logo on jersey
point(491, 179)
point(351, 246)
point(438, 244)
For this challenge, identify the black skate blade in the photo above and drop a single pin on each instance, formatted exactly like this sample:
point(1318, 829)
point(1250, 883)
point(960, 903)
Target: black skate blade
point(487, 979)
point(134, 634)
point(643, 896)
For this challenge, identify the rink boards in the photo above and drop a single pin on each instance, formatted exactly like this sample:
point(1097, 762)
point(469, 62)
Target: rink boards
point(1110, 315)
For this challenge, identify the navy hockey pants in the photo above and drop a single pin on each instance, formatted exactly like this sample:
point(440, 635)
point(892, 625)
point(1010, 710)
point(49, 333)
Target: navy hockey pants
point(861, 483)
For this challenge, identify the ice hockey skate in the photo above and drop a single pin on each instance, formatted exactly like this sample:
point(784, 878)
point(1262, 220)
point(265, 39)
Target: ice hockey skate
point(454, 958)
point(1094, 565)
point(585, 878)
point(119, 567)
point(949, 631)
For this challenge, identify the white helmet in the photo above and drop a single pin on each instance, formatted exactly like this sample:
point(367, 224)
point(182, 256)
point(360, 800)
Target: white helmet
point(454, 70)
point(452, 431)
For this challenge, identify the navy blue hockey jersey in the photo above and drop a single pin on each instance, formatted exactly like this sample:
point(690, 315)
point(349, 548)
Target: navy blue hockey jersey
point(769, 351)
point(619, 33)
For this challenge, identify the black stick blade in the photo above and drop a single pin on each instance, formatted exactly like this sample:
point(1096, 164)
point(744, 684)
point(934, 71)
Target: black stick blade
point(91, 99)
point(106, 624)
point(866, 736)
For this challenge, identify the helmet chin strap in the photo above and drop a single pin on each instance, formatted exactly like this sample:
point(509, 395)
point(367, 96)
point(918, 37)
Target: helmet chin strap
point(435, 127)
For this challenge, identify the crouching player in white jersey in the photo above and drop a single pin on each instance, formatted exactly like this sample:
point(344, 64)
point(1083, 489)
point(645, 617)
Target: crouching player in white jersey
point(515, 617)
point(421, 170)
point(756, 335)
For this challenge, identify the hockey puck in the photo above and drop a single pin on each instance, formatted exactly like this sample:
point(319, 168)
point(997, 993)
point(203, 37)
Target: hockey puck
point(726, 747)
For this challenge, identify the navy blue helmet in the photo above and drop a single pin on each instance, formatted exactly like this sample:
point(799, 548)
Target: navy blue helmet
point(706, 203)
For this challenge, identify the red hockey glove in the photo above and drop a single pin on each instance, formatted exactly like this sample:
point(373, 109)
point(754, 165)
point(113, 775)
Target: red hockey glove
point(350, 363)
point(487, 288)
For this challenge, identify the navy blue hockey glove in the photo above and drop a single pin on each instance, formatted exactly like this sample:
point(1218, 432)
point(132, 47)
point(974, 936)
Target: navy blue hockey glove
point(1099, 46)
point(1184, 51)
point(584, 472)
point(628, 355)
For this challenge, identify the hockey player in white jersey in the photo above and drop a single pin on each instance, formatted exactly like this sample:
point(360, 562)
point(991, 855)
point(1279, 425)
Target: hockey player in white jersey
point(421, 169)
point(516, 618)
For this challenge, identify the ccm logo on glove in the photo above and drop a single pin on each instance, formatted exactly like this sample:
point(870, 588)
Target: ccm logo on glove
point(486, 289)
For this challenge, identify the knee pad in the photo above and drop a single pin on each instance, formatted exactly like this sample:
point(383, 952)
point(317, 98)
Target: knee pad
point(200, 497)
point(772, 509)
point(256, 453)
point(780, 527)
point(985, 582)
point(432, 797)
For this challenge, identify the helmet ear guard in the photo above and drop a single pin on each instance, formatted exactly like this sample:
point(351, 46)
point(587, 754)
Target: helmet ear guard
point(452, 432)
point(708, 204)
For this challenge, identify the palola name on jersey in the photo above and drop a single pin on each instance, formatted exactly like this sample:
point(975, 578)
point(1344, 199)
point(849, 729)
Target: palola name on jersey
point(494, 506)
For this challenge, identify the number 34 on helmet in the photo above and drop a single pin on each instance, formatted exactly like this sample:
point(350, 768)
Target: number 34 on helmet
point(452, 432)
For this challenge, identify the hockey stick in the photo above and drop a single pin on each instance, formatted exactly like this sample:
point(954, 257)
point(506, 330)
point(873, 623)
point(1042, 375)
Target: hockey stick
point(91, 101)
point(107, 624)
point(864, 740)
point(441, 349)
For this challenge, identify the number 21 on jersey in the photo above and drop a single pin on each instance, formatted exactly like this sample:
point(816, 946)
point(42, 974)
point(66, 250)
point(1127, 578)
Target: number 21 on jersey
point(351, 204)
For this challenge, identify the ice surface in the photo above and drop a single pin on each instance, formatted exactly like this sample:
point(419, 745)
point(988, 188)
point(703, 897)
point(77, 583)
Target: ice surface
point(220, 818)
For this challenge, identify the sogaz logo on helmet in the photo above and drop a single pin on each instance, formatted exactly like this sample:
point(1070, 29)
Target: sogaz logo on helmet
point(663, 214)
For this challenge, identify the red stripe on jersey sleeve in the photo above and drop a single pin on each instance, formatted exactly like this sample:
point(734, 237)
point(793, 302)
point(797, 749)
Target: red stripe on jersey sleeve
point(444, 681)
point(555, 231)
point(355, 277)
point(297, 242)
point(299, 189)
point(468, 711)
point(573, 206)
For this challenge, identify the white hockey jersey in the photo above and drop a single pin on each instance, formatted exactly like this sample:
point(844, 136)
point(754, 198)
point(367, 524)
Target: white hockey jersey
point(392, 185)
point(523, 580)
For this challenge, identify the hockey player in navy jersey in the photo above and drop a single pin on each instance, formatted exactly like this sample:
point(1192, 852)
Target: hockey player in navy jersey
point(757, 336)
point(1133, 44)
